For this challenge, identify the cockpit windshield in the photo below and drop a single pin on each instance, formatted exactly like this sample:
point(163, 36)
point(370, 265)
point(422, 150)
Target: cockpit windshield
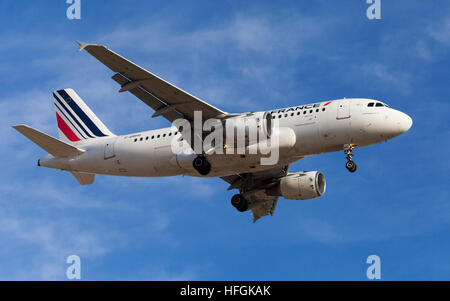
point(377, 104)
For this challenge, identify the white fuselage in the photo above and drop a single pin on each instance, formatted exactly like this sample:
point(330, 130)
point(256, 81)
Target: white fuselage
point(319, 128)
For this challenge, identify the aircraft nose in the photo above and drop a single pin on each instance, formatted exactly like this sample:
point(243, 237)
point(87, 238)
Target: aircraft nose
point(404, 122)
point(394, 123)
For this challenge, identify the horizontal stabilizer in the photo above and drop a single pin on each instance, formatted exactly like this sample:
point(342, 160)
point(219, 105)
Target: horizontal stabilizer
point(83, 178)
point(53, 146)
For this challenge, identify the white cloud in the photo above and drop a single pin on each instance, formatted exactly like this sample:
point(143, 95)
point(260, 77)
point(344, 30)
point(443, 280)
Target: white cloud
point(251, 48)
point(441, 31)
point(397, 79)
point(49, 221)
point(320, 231)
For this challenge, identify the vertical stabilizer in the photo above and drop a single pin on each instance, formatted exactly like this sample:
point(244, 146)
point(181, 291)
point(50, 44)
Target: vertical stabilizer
point(76, 121)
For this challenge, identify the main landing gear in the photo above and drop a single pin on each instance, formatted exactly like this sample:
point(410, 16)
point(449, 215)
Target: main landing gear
point(239, 202)
point(201, 165)
point(350, 165)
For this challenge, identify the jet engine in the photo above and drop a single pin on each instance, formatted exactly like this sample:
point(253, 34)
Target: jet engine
point(300, 186)
point(248, 126)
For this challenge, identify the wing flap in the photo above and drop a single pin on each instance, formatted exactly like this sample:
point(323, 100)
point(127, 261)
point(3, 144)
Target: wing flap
point(253, 185)
point(55, 147)
point(264, 209)
point(148, 98)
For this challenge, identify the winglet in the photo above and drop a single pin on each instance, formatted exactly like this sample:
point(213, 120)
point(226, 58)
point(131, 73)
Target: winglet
point(81, 45)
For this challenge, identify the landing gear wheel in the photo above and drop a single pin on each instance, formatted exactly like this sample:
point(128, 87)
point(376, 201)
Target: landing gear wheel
point(239, 202)
point(351, 166)
point(348, 150)
point(201, 165)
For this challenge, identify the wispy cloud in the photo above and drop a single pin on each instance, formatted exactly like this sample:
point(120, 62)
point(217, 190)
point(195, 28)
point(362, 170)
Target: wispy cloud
point(49, 222)
point(441, 31)
point(249, 50)
point(397, 79)
point(320, 231)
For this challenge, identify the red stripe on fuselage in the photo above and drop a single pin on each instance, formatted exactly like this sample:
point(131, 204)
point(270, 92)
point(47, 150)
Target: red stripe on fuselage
point(327, 103)
point(62, 125)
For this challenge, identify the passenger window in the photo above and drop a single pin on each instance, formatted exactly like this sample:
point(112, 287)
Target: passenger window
point(146, 138)
point(323, 109)
point(135, 140)
point(292, 114)
point(285, 115)
point(310, 111)
point(140, 139)
point(304, 112)
point(164, 135)
point(317, 110)
point(170, 134)
point(158, 136)
point(370, 104)
point(379, 104)
point(298, 113)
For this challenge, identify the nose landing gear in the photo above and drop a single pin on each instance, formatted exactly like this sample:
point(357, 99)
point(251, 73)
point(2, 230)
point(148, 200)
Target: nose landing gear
point(350, 165)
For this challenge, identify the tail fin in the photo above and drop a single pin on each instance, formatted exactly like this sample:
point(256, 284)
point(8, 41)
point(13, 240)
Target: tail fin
point(76, 121)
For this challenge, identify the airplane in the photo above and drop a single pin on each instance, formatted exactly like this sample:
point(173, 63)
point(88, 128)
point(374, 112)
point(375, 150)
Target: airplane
point(86, 147)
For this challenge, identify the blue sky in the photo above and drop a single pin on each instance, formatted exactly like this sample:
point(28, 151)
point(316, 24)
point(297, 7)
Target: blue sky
point(256, 55)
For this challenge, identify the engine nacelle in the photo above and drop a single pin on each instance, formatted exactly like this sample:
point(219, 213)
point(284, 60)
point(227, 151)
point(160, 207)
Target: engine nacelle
point(248, 127)
point(183, 161)
point(300, 186)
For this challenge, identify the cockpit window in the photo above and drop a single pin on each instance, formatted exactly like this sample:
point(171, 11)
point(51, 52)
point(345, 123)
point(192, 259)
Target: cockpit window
point(379, 104)
point(370, 104)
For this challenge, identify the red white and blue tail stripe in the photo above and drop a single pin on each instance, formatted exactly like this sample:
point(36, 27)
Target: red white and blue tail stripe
point(75, 120)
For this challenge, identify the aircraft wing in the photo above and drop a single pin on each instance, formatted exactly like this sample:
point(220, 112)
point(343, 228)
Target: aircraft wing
point(166, 99)
point(253, 185)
